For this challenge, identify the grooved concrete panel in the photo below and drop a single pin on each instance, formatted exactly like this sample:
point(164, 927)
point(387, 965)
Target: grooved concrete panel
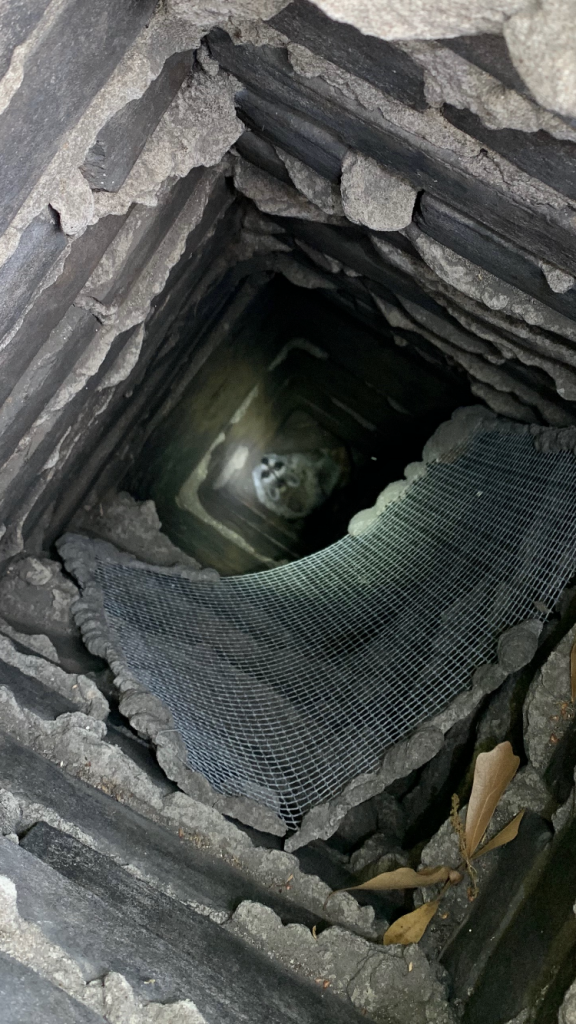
point(265, 72)
point(539, 154)
point(86, 252)
point(367, 57)
point(480, 245)
point(227, 981)
point(17, 20)
point(40, 245)
point(121, 141)
point(194, 875)
point(61, 77)
point(25, 996)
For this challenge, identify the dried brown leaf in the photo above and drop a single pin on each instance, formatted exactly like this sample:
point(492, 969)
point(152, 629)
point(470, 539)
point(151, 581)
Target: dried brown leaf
point(573, 672)
point(492, 773)
point(411, 927)
point(404, 878)
point(506, 835)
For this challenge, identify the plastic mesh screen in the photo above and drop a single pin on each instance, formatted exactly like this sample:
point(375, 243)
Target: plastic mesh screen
point(286, 684)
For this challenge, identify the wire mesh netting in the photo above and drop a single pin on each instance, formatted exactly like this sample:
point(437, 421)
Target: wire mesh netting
point(286, 684)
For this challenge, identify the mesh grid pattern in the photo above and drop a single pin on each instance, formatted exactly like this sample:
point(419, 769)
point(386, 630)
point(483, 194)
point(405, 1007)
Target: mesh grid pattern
point(286, 684)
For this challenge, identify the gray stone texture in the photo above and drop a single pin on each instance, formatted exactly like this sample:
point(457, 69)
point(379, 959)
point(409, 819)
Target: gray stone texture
point(539, 154)
point(18, 21)
point(373, 197)
point(293, 132)
point(32, 695)
point(26, 996)
point(469, 955)
point(30, 130)
point(388, 985)
point(313, 185)
point(384, 66)
point(100, 936)
point(543, 50)
point(105, 356)
point(186, 309)
point(36, 596)
point(131, 253)
point(422, 19)
point(497, 255)
point(567, 1013)
point(449, 930)
point(10, 813)
point(132, 526)
point(258, 151)
point(39, 247)
point(345, 103)
point(77, 744)
point(548, 715)
point(422, 162)
point(122, 139)
point(518, 645)
point(273, 196)
point(489, 52)
point(532, 958)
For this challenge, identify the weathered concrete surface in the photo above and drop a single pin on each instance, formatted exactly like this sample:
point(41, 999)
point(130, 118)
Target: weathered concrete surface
point(374, 197)
point(132, 526)
point(109, 998)
point(422, 19)
point(273, 196)
point(35, 594)
point(548, 712)
point(53, 916)
point(389, 985)
point(542, 46)
point(121, 141)
point(567, 1013)
point(518, 645)
point(26, 995)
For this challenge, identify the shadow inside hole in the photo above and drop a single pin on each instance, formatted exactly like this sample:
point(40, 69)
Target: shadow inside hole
point(303, 380)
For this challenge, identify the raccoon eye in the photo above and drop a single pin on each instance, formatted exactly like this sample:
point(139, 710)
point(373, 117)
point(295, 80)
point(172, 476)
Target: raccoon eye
point(265, 474)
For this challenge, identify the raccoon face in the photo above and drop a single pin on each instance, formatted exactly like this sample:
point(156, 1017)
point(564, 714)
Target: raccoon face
point(293, 485)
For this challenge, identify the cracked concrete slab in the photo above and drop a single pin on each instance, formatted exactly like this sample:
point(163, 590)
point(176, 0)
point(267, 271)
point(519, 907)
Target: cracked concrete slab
point(390, 985)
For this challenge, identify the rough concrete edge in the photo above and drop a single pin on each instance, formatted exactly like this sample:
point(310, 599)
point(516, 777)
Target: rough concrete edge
point(77, 688)
point(111, 996)
point(145, 712)
point(31, 811)
point(143, 536)
point(39, 643)
point(373, 978)
point(79, 746)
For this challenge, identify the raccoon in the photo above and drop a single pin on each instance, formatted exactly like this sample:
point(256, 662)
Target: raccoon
point(293, 485)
